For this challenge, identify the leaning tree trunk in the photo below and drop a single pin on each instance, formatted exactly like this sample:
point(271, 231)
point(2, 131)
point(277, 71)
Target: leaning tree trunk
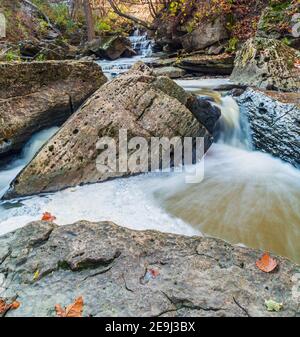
point(89, 20)
point(118, 11)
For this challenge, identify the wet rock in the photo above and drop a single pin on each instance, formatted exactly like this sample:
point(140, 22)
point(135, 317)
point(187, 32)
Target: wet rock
point(172, 72)
point(109, 266)
point(110, 47)
point(267, 64)
point(139, 102)
point(274, 122)
point(213, 64)
point(204, 111)
point(205, 35)
point(38, 95)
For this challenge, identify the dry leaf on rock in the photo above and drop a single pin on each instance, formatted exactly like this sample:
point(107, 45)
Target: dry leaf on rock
point(73, 310)
point(266, 263)
point(5, 307)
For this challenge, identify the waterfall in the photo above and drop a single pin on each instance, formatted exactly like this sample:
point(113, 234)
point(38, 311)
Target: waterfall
point(141, 43)
point(142, 46)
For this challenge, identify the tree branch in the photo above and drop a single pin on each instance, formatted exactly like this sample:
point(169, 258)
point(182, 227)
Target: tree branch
point(45, 17)
point(129, 17)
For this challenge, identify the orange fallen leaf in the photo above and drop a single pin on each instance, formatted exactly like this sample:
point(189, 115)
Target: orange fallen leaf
point(4, 307)
point(15, 305)
point(297, 64)
point(48, 217)
point(266, 263)
point(73, 310)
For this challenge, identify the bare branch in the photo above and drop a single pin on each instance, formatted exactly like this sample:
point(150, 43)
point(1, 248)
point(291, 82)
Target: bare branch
point(128, 16)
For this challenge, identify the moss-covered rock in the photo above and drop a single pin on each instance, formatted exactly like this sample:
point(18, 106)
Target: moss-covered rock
point(278, 20)
point(267, 64)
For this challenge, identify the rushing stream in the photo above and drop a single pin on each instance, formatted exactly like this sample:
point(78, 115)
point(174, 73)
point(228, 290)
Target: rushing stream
point(246, 197)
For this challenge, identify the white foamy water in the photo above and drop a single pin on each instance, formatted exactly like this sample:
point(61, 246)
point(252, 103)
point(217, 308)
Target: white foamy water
point(10, 171)
point(207, 83)
point(128, 202)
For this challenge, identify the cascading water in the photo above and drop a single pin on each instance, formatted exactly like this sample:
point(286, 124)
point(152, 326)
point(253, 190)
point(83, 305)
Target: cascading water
point(246, 196)
point(141, 44)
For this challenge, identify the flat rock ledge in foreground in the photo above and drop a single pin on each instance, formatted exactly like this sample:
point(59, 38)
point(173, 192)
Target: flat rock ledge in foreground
point(44, 264)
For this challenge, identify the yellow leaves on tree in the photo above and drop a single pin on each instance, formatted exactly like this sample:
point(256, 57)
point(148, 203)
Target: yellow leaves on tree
point(266, 263)
point(73, 310)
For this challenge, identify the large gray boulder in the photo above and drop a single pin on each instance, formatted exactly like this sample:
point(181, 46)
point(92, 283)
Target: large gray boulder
point(205, 35)
point(38, 95)
point(121, 272)
point(274, 120)
point(267, 64)
point(145, 105)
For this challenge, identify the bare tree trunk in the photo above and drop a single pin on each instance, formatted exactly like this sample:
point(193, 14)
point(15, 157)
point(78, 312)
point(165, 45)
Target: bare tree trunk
point(128, 16)
point(89, 20)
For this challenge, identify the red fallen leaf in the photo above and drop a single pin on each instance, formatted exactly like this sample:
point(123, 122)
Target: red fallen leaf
point(4, 307)
point(266, 263)
point(48, 217)
point(73, 310)
point(154, 273)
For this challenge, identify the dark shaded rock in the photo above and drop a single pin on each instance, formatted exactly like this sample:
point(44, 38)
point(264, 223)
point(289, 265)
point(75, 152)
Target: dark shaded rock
point(37, 95)
point(137, 101)
point(204, 111)
point(110, 47)
point(29, 48)
point(267, 64)
point(274, 122)
point(107, 265)
point(212, 65)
